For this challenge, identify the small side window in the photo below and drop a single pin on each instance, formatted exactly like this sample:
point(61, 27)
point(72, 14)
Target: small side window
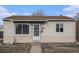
point(59, 27)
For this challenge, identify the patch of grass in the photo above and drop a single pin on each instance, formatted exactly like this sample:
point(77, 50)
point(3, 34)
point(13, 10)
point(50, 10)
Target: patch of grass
point(75, 46)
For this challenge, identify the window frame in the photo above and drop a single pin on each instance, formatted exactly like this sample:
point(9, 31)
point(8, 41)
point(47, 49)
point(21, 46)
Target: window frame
point(60, 27)
point(22, 28)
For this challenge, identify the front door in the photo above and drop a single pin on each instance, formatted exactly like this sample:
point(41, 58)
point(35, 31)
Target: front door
point(36, 32)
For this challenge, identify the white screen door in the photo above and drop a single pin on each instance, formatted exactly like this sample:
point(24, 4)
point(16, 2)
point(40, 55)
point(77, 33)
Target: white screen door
point(36, 32)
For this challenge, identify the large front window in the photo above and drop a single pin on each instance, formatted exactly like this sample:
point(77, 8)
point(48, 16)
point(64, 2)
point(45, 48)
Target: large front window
point(22, 28)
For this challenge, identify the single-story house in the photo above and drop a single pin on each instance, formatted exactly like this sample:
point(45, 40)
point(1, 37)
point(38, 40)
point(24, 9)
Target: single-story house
point(44, 29)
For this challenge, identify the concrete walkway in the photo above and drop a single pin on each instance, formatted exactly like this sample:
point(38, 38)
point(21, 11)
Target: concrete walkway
point(36, 48)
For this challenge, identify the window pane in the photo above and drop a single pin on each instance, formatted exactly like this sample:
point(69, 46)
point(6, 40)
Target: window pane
point(25, 29)
point(61, 25)
point(57, 27)
point(61, 29)
point(36, 33)
point(18, 28)
point(36, 27)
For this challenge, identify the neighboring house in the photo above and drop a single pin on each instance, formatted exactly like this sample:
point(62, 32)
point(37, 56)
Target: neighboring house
point(44, 29)
point(1, 33)
point(77, 30)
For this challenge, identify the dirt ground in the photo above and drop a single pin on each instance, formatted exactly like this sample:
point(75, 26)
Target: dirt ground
point(60, 47)
point(15, 48)
point(46, 48)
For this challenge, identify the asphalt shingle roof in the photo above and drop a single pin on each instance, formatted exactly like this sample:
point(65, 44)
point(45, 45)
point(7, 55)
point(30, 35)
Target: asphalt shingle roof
point(39, 18)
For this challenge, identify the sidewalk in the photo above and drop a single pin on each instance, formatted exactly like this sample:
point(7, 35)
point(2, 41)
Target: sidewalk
point(36, 49)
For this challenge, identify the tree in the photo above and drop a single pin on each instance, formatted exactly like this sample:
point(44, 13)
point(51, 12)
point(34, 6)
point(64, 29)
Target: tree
point(77, 16)
point(38, 13)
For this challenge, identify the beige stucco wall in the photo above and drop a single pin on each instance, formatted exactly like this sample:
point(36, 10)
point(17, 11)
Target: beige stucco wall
point(50, 35)
point(23, 38)
point(8, 32)
point(11, 37)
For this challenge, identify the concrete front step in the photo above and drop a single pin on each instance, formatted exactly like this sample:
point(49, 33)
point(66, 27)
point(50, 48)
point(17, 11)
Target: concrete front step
point(36, 43)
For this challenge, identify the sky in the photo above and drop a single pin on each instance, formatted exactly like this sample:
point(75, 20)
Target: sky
point(29, 9)
point(49, 10)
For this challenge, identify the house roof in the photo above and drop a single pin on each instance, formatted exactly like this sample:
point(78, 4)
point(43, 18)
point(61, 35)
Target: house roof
point(38, 18)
